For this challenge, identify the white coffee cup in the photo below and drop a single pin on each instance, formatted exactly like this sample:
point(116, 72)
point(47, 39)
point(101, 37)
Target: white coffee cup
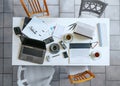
point(68, 37)
point(95, 54)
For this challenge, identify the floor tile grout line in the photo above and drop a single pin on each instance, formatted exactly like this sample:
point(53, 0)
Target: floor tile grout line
point(105, 76)
point(119, 17)
point(114, 49)
point(90, 80)
point(5, 73)
point(59, 8)
point(7, 42)
point(11, 39)
point(6, 12)
point(113, 80)
point(3, 46)
point(59, 75)
point(114, 35)
point(113, 65)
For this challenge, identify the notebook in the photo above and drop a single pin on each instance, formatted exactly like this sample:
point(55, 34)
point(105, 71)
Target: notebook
point(84, 30)
point(78, 50)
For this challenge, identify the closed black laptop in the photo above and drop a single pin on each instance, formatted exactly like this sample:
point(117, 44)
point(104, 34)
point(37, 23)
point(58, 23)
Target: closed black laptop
point(33, 51)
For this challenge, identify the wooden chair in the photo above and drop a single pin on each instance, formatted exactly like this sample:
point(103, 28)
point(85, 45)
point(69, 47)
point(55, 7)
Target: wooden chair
point(92, 8)
point(79, 74)
point(35, 7)
point(81, 77)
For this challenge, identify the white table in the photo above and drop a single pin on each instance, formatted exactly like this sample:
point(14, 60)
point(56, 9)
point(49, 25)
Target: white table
point(105, 50)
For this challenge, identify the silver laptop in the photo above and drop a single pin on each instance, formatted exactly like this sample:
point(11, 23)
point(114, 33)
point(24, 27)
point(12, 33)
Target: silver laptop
point(32, 51)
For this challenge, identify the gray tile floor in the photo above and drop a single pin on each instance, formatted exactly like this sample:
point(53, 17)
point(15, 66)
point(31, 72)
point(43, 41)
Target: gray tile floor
point(105, 76)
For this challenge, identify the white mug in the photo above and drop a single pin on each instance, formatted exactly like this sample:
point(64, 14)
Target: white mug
point(95, 54)
point(68, 37)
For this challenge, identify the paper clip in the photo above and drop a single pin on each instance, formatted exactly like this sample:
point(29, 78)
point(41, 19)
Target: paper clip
point(96, 43)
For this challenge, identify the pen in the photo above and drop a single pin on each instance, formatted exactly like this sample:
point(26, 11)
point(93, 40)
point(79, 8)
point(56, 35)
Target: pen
point(33, 30)
point(55, 55)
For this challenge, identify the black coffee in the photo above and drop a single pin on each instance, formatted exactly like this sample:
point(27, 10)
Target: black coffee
point(68, 37)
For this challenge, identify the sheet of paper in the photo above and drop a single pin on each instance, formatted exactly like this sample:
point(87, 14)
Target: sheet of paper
point(78, 51)
point(59, 31)
point(77, 54)
point(37, 29)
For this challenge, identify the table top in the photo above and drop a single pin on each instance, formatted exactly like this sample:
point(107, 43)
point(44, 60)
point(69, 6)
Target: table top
point(60, 60)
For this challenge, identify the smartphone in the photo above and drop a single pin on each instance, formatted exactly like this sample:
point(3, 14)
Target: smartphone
point(62, 44)
point(65, 54)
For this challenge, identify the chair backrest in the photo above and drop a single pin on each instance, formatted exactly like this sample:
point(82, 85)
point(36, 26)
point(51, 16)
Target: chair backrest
point(81, 77)
point(92, 6)
point(35, 7)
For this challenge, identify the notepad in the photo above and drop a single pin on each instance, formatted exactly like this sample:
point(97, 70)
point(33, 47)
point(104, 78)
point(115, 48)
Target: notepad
point(78, 50)
point(59, 31)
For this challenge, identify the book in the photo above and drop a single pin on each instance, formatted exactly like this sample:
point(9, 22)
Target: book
point(84, 30)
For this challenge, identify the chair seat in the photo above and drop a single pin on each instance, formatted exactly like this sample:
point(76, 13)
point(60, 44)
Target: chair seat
point(79, 74)
point(38, 76)
point(81, 77)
